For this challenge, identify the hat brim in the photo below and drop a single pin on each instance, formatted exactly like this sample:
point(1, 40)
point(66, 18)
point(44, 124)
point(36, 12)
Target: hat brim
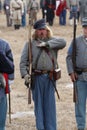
point(42, 27)
point(84, 25)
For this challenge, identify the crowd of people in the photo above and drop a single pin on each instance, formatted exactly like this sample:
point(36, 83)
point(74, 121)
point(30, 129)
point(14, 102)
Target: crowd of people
point(43, 50)
point(16, 11)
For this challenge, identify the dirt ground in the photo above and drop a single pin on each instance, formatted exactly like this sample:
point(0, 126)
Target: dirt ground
point(22, 116)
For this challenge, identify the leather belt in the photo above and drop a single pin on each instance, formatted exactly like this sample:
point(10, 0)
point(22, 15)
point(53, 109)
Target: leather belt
point(41, 71)
point(80, 70)
point(34, 8)
point(51, 6)
point(84, 70)
point(17, 8)
point(74, 5)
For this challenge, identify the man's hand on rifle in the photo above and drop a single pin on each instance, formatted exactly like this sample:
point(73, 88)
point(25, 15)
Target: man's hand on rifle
point(27, 78)
point(73, 77)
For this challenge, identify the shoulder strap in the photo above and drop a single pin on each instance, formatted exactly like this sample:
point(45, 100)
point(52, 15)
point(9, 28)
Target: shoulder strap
point(38, 56)
point(51, 57)
point(18, 4)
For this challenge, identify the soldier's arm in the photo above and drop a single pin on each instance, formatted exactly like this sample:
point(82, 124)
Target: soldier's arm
point(57, 43)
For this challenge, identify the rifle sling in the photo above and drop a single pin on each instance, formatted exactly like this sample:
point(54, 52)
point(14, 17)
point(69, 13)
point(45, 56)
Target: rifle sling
point(54, 85)
point(38, 56)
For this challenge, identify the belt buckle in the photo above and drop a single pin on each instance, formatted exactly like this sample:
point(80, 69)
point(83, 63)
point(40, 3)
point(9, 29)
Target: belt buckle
point(44, 71)
point(85, 70)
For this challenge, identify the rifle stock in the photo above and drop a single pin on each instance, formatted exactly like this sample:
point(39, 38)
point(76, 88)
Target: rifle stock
point(30, 60)
point(74, 92)
point(9, 96)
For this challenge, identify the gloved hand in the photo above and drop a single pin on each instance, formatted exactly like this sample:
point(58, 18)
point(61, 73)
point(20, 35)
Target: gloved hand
point(22, 13)
point(10, 82)
point(45, 11)
point(27, 78)
point(42, 44)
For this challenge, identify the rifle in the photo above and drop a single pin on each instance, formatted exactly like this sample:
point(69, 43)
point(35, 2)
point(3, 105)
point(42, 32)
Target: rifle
point(74, 58)
point(54, 85)
point(30, 60)
point(9, 107)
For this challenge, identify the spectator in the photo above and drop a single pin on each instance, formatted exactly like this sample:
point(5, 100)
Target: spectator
point(7, 12)
point(0, 6)
point(33, 9)
point(16, 10)
point(83, 8)
point(73, 6)
point(61, 12)
point(24, 14)
point(44, 9)
point(51, 6)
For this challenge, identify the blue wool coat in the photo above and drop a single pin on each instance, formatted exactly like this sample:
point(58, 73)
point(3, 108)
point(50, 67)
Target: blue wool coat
point(6, 60)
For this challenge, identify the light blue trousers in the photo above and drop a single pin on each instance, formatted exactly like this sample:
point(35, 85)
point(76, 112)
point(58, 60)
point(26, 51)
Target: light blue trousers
point(73, 12)
point(3, 112)
point(24, 19)
point(44, 101)
point(80, 106)
point(62, 17)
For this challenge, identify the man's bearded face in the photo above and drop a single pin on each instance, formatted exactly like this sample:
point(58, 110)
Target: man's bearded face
point(42, 33)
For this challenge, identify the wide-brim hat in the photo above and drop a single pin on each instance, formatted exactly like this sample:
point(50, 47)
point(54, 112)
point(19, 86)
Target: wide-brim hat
point(40, 24)
point(84, 22)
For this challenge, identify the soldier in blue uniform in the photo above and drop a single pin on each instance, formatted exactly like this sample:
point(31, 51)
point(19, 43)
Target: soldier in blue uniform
point(6, 78)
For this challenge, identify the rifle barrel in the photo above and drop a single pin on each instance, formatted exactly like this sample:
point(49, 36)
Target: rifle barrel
point(30, 61)
point(74, 60)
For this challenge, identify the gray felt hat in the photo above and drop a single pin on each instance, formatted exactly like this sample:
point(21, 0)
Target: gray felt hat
point(84, 22)
point(40, 24)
